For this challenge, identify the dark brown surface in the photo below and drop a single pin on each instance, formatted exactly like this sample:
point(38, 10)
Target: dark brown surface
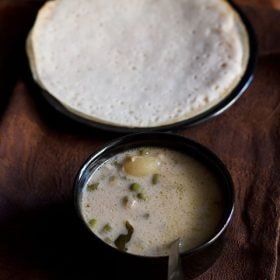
point(40, 153)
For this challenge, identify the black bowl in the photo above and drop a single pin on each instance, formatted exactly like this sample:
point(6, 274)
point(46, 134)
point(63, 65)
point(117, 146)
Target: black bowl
point(217, 109)
point(196, 260)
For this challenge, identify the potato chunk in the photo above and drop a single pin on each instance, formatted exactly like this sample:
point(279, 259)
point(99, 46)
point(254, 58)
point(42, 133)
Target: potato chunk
point(141, 165)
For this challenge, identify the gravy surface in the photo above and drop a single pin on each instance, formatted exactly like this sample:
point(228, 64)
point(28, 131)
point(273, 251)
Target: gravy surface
point(162, 194)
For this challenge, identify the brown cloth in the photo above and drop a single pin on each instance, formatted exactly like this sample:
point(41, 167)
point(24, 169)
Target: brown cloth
point(40, 153)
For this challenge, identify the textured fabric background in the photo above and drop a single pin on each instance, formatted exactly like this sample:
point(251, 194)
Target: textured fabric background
point(40, 153)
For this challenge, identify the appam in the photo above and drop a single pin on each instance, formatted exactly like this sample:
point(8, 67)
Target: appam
point(138, 64)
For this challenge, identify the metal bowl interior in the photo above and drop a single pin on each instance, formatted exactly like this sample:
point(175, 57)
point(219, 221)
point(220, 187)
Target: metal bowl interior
point(214, 111)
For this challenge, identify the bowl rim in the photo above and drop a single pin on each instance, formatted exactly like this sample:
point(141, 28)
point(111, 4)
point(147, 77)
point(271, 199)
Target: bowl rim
point(146, 137)
point(210, 113)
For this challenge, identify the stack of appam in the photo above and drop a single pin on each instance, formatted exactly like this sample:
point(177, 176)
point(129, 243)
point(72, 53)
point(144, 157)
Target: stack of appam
point(138, 63)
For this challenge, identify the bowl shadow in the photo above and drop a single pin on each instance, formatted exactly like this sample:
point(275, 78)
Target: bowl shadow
point(50, 239)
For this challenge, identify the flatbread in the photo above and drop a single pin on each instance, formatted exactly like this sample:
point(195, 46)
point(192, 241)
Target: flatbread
point(138, 63)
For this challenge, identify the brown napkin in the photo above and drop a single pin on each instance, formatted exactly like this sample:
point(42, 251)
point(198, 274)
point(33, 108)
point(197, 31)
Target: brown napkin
point(40, 153)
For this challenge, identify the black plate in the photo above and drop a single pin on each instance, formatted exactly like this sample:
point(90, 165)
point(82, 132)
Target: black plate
point(208, 114)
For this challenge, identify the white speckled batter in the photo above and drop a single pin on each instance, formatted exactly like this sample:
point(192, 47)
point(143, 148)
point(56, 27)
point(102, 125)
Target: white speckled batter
point(138, 63)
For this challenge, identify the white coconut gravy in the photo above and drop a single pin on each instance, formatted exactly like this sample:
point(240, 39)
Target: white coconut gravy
point(143, 199)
